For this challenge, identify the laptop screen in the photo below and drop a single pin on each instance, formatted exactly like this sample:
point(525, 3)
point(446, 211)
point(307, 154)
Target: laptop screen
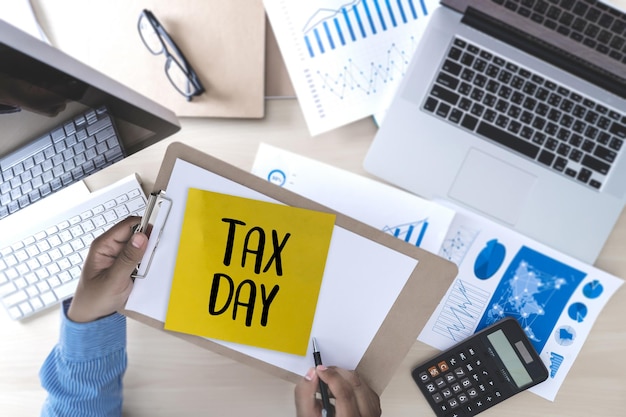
point(41, 89)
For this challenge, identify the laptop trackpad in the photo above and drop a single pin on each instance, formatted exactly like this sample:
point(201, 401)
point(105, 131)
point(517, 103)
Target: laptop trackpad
point(492, 186)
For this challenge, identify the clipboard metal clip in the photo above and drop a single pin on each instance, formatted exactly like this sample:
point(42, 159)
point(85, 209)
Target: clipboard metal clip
point(152, 224)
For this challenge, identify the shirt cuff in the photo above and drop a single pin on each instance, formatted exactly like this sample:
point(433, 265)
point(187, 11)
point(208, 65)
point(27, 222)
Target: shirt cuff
point(81, 342)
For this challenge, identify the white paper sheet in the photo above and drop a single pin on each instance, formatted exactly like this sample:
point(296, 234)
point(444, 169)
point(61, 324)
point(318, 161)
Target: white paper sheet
point(417, 221)
point(346, 58)
point(344, 324)
point(555, 298)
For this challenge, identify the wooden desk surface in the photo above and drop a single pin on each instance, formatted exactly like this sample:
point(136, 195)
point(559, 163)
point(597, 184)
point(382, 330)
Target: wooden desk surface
point(167, 376)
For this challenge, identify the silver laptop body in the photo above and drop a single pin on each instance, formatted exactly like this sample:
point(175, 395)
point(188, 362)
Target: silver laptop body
point(429, 146)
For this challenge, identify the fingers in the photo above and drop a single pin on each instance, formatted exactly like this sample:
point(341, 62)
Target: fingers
point(306, 404)
point(106, 275)
point(352, 396)
point(134, 246)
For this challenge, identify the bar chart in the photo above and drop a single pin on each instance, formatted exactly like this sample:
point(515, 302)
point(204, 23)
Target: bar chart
point(329, 29)
point(346, 58)
point(412, 233)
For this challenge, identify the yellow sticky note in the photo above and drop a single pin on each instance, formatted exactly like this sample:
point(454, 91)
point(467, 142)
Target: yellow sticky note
point(248, 271)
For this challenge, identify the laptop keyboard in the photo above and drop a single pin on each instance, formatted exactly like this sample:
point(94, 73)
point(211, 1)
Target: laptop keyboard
point(42, 269)
point(67, 154)
point(591, 23)
point(536, 117)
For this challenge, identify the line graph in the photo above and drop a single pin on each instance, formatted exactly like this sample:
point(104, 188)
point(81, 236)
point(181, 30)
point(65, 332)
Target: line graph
point(457, 243)
point(328, 29)
point(462, 311)
point(370, 79)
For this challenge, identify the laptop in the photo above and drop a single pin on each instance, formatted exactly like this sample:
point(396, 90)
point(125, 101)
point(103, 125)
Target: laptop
point(516, 110)
point(63, 121)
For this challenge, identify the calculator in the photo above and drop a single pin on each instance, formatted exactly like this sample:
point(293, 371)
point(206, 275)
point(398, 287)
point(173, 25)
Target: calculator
point(480, 372)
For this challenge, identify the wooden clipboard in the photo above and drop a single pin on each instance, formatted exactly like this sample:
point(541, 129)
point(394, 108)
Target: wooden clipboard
point(419, 297)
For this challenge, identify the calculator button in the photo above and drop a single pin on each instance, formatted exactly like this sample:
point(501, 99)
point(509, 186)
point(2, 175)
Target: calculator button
point(472, 392)
point(437, 398)
point(466, 383)
point(456, 388)
point(440, 383)
point(459, 372)
point(453, 403)
point(452, 361)
point(433, 371)
point(443, 366)
point(479, 404)
point(463, 398)
point(423, 376)
point(449, 377)
point(446, 392)
point(431, 387)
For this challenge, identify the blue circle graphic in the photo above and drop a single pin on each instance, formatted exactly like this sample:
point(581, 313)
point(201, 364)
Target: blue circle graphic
point(276, 176)
point(565, 335)
point(593, 289)
point(489, 259)
point(577, 312)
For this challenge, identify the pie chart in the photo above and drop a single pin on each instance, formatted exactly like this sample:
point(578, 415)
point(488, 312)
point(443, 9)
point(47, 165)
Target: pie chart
point(565, 335)
point(489, 259)
point(577, 312)
point(593, 289)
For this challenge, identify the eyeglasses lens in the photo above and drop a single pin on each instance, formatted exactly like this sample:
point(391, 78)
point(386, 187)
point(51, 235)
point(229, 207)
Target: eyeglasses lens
point(179, 77)
point(150, 36)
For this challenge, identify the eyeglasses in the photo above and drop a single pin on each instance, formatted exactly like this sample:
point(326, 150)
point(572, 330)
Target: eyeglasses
point(178, 70)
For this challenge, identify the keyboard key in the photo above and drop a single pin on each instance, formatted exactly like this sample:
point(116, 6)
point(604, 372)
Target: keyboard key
point(505, 138)
point(15, 298)
point(48, 298)
point(66, 290)
point(595, 164)
point(444, 94)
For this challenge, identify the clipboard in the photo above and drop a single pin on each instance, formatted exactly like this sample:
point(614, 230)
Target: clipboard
point(428, 279)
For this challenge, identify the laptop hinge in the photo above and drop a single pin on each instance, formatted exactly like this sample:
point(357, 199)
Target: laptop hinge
point(545, 51)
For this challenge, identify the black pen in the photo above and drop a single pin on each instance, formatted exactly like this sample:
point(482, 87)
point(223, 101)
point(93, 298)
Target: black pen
point(326, 410)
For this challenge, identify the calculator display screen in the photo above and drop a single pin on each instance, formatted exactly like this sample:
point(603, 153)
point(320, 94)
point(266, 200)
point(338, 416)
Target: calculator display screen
point(511, 361)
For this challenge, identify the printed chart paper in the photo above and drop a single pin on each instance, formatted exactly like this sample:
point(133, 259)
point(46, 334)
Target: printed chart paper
point(554, 297)
point(417, 221)
point(346, 58)
point(248, 271)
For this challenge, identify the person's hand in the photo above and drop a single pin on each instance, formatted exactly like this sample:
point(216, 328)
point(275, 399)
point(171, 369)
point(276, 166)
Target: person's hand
point(353, 397)
point(105, 281)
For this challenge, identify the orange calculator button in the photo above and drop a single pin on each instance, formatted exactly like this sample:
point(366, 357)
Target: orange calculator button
point(443, 366)
point(433, 371)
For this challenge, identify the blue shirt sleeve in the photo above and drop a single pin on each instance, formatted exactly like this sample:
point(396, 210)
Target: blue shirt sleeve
point(83, 373)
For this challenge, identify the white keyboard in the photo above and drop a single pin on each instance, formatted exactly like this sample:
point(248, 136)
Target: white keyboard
point(42, 269)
